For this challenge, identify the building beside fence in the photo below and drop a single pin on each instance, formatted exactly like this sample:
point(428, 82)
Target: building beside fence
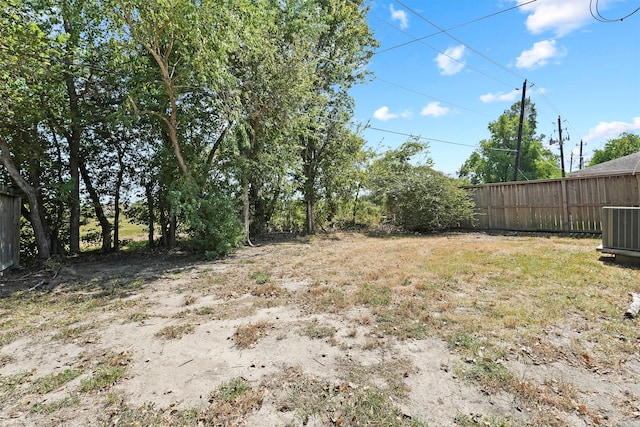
point(571, 205)
point(9, 229)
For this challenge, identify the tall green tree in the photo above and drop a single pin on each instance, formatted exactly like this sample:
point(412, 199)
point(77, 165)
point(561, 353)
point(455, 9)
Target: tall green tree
point(271, 80)
point(340, 49)
point(494, 161)
point(25, 84)
point(625, 144)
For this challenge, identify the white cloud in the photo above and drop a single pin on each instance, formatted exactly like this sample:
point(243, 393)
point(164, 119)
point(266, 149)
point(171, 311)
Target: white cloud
point(383, 114)
point(559, 16)
point(539, 55)
point(450, 62)
point(400, 16)
point(611, 130)
point(500, 96)
point(434, 109)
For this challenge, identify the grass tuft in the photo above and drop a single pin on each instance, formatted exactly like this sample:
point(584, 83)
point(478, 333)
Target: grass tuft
point(175, 331)
point(247, 336)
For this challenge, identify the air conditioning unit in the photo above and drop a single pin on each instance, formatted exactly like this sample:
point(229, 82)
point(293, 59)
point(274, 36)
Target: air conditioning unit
point(621, 230)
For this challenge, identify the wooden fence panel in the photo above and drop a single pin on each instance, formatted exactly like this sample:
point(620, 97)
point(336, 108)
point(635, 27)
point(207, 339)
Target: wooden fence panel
point(9, 229)
point(562, 205)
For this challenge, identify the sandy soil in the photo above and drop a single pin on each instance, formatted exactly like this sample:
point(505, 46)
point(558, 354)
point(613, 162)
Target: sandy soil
point(180, 373)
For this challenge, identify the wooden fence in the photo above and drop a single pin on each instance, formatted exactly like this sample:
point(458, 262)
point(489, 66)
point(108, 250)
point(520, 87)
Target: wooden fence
point(9, 229)
point(572, 205)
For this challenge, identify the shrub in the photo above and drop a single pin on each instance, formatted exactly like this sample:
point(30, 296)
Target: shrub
point(207, 214)
point(426, 200)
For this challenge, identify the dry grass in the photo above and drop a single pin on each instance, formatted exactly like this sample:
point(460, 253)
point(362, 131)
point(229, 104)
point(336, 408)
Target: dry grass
point(496, 300)
point(247, 336)
point(500, 292)
point(175, 331)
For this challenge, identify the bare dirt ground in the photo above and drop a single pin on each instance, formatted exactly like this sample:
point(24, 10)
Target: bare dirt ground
point(339, 330)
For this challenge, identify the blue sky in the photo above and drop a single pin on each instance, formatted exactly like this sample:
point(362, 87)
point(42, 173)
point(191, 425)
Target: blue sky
point(450, 85)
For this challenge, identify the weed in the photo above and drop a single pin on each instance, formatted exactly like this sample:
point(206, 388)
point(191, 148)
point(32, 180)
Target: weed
point(232, 389)
point(8, 337)
point(5, 359)
point(103, 378)
point(318, 331)
point(138, 316)
point(189, 299)
point(247, 336)
point(51, 382)
point(479, 420)
point(326, 403)
point(175, 331)
point(70, 334)
point(491, 375)
point(56, 405)
point(13, 386)
point(205, 311)
point(261, 277)
point(373, 295)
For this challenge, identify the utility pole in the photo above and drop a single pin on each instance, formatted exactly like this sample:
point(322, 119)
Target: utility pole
point(560, 141)
point(581, 158)
point(571, 162)
point(517, 165)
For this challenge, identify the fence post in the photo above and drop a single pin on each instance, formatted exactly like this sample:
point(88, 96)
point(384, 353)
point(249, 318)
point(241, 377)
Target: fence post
point(9, 229)
point(489, 213)
point(565, 205)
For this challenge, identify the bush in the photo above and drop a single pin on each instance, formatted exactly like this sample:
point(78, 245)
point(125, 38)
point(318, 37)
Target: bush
point(425, 200)
point(208, 215)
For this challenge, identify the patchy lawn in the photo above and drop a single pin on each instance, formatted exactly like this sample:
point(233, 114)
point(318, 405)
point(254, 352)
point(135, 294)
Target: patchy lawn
point(341, 329)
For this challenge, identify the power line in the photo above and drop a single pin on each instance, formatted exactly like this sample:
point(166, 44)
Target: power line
point(440, 52)
point(455, 27)
point(600, 18)
point(477, 52)
point(427, 139)
point(430, 97)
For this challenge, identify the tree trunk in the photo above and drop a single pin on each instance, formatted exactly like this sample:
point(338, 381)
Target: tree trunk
point(164, 228)
point(74, 155)
point(309, 170)
point(148, 189)
point(105, 225)
point(36, 217)
point(173, 226)
point(119, 180)
point(310, 225)
point(246, 209)
point(355, 204)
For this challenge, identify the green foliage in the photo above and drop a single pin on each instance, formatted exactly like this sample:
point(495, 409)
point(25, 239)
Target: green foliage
point(427, 200)
point(157, 90)
point(392, 165)
point(494, 161)
point(417, 197)
point(208, 215)
point(261, 277)
point(103, 378)
point(625, 144)
point(51, 382)
point(230, 390)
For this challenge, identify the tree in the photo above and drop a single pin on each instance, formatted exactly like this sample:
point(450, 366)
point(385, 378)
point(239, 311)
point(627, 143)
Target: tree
point(339, 50)
point(494, 160)
point(416, 197)
point(187, 43)
point(625, 144)
point(25, 63)
point(271, 82)
point(426, 200)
